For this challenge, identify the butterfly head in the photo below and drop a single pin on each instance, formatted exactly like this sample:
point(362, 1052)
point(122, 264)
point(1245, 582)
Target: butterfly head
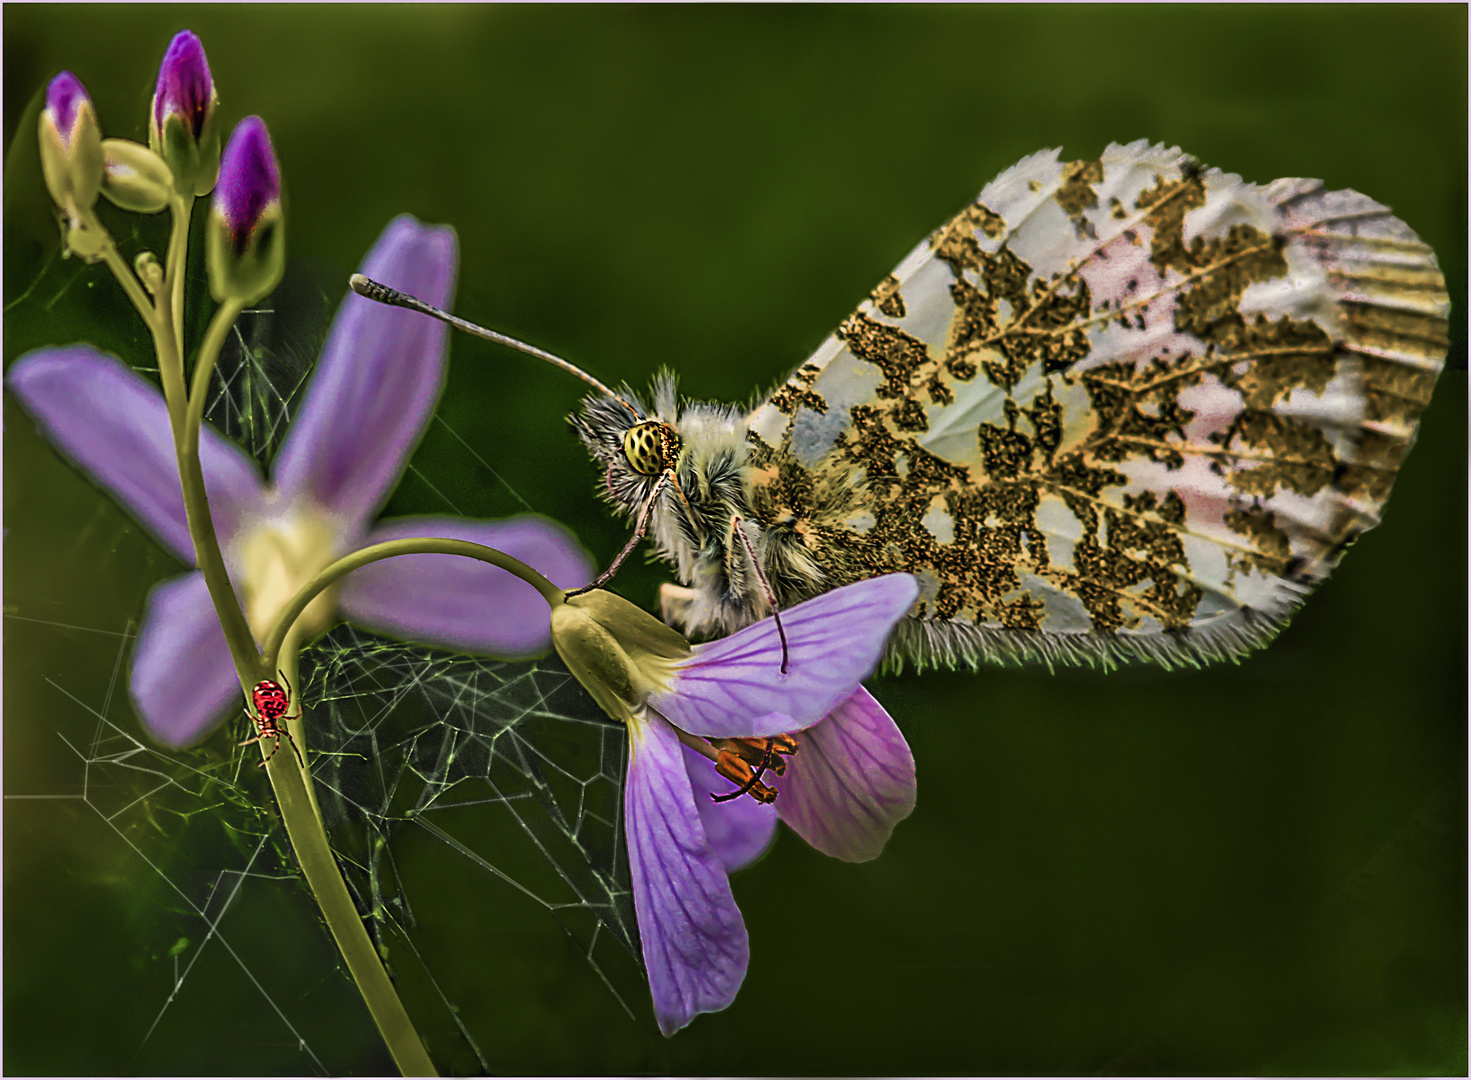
point(651, 447)
point(634, 449)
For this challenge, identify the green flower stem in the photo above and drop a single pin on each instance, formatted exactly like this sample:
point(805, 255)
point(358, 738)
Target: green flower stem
point(309, 840)
point(127, 280)
point(196, 501)
point(286, 665)
point(180, 209)
point(170, 356)
point(204, 367)
point(418, 545)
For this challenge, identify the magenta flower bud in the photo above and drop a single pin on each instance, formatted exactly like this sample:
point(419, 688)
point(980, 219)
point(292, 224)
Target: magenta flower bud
point(71, 144)
point(71, 161)
point(245, 247)
point(181, 127)
point(66, 98)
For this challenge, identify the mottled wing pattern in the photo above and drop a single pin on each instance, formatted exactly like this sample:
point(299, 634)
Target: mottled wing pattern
point(1124, 408)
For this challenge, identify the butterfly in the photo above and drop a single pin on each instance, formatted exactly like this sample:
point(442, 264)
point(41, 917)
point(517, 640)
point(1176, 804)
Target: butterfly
point(1122, 409)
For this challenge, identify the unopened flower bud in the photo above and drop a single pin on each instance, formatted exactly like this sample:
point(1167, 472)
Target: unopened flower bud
point(147, 267)
point(134, 177)
point(181, 126)
point(71, 147)
point(245, 244)
point(616, 650)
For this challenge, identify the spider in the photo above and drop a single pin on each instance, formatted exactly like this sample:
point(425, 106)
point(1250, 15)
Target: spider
point(271, 703)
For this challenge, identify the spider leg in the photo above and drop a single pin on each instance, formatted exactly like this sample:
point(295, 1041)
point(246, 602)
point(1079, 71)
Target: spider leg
point(294, 750)
point(274, 748)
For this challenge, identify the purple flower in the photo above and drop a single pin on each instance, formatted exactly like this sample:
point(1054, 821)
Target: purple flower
point(245, 249)
point(181, 126)
point(849, 781)
point(71, 146)
point(374, 390)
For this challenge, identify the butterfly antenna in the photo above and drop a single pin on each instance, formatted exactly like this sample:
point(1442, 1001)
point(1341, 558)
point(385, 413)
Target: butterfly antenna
point(765, 587)
point(638, 534)
point(373, 290)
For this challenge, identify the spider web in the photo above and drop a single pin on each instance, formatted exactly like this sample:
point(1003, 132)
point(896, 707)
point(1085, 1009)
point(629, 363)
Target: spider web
point(502, 778)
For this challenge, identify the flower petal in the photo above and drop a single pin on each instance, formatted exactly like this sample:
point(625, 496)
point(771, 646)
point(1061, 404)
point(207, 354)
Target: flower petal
point(739, 831)
point(464, 603)
point(114, 425)
point(183, 678)
point(377, 381)
point(850, 781)
point(734, 687)
point(694, 940)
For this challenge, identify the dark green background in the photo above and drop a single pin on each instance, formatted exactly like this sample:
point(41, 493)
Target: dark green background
point(1246, 870)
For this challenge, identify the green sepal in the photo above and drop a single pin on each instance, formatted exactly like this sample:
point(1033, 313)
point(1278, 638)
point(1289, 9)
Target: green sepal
point(209, 153)
point(195, 162)
point(73, 173)
point(616, 650)
point(247, 275)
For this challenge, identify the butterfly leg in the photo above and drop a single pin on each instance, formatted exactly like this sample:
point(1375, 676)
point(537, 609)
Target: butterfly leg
point(740, 531)
point(638, 534)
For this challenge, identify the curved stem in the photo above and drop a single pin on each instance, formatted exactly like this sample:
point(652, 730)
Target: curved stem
point(204, 365)
point(128, 281)
point(419, 545)
point(207, 554)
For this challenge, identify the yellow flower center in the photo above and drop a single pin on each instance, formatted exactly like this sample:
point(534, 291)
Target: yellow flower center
point(275, 557)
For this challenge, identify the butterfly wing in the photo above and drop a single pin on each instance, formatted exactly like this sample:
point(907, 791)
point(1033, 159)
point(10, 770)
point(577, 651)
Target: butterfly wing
point(1114, 409)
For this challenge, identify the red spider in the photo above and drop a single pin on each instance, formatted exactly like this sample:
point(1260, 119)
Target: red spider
point(271, 703)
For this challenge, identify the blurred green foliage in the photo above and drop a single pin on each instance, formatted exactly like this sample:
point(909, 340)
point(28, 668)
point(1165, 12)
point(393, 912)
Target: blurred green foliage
point(1253, 869)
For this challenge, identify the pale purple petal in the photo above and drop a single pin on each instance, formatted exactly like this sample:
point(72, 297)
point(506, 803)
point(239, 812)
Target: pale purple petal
point(377, 382)
point(740, 830)
point(850, 781)
point(734, 687)
point(114, 425)
point(694, 940)
point(463, 603)
point(183, 680)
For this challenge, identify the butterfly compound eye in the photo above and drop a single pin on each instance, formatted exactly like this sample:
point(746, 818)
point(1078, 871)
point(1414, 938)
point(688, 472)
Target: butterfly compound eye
point(650, 447)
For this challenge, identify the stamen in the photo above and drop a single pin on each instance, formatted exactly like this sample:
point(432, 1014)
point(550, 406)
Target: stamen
point(735, 758)
point(755, 751)
point(735, 768)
